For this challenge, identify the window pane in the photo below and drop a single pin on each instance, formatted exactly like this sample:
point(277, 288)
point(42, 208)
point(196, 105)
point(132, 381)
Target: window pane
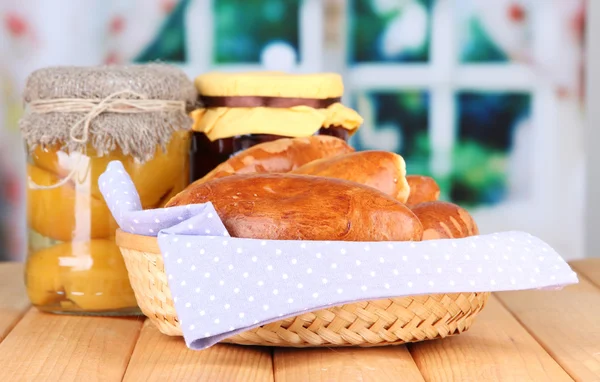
point(246, 29)
point(487, 126)
point(169, 43)
point(396, 122)
point(389, 30)
point(494, 30)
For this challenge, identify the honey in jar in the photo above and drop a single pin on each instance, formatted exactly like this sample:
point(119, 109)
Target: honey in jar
point(77, 120)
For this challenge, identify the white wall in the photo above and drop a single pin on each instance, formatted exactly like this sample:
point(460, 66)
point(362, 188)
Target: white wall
point(592, 132)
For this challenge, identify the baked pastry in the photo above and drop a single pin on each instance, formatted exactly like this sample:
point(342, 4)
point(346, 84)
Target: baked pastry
point(302, 207)
point(282, 155)
point(382, 170)
point(443, 220)
point(422, 189)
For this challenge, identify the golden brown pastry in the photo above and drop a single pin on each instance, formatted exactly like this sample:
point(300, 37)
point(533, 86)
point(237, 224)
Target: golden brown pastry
point(382, 170)
point(422, 189)
point(281, 155)
point(443, 220)
point(302, 207)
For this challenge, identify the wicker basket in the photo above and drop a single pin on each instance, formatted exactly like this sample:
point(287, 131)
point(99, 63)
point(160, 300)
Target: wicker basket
point(390, 321)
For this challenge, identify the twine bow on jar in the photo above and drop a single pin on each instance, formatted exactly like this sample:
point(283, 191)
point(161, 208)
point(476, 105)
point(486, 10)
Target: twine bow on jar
point(79, 132)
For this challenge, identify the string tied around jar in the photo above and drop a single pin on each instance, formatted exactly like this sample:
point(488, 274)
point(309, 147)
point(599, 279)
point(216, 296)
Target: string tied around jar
point(80, 130)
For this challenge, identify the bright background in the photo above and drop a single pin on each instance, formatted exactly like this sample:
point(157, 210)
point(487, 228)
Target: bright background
point(485, 96)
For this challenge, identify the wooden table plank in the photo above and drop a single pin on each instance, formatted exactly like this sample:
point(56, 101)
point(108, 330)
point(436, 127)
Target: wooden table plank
point(565, 322)
point(495, 348)
point(50, 347)
point(13, 298)
point(157, 357)
point(392, 363)
point(589, 268)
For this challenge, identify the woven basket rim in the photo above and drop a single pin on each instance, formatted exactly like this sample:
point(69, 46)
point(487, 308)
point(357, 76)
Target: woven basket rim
point(402, 319)
point(141, 243)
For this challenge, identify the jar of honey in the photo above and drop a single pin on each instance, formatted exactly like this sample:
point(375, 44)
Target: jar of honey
point(77, 120)
point(240, 110)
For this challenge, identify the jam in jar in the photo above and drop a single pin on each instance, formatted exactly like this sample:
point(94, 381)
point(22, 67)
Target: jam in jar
point(241, 110)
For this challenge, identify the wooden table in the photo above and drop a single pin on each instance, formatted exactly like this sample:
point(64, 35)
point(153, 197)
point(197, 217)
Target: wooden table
point(520, 336)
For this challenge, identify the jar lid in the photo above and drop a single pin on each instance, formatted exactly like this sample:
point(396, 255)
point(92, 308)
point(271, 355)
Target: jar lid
point(270, 84)
point(294, 105)
point(135, 108)
point(155, 81)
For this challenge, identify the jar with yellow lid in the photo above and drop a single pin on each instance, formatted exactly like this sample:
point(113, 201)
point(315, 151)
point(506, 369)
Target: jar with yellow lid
point(77, 120)
point(240, 110)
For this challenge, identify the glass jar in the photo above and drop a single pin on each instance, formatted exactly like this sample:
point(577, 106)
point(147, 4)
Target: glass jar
point(73, 263)
point(77, 120)
point(240, 110)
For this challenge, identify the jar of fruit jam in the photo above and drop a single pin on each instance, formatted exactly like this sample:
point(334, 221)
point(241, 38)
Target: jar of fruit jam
point(239, 111)
point(77, 120)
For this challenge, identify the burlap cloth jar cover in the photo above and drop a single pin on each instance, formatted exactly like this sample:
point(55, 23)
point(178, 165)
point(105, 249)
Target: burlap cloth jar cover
point(133, 107)
point(76, 120)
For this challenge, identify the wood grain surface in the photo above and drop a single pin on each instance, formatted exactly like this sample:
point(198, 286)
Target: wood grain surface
point(13, 298)
point(496, 348)
point(519, 336)
point(588, 269)
point(50, 347)
point(157, 357)
point(378, 364)
point(566, 323)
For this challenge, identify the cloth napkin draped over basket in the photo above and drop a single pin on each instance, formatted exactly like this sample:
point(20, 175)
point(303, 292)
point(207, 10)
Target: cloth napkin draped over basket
point(191, 278)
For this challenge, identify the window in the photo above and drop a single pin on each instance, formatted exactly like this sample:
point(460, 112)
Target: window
point(429, 79)
point(476, 97)
point(431, 82)
point(485, 119)
point(449, 84)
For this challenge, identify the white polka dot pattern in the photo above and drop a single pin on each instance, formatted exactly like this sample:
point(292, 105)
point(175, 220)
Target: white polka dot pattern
point(223, 285)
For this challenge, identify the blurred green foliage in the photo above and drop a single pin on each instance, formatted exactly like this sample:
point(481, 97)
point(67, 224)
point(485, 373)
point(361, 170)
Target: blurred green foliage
point(477, 46)
point(489, 118)
point(170, 43)
point(478, 174)
point(367, 27)
point(418, 161)
point(244, 28)
point(486, 123)
point(408, 112)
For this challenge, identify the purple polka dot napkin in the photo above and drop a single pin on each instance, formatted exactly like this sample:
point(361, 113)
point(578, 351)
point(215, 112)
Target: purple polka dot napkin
point(223, 285)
